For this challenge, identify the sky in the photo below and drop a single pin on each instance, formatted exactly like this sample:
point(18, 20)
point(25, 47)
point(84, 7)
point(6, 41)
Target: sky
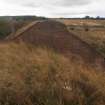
point(53, 8)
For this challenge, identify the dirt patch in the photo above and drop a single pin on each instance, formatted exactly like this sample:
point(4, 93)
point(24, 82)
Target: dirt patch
point(55, 35)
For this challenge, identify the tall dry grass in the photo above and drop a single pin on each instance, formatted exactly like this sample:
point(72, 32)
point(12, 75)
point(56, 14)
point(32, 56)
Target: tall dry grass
point(39, 76)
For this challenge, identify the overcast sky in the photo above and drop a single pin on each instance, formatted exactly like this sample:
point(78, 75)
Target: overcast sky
point(53, 8)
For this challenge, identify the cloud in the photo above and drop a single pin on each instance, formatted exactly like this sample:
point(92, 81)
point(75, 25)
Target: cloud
point(33, 3)
point(72, 2)
point(53, 8)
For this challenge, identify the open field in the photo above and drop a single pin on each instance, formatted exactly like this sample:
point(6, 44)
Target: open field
point(90, 30)
point(90, 22)
point(95, 38)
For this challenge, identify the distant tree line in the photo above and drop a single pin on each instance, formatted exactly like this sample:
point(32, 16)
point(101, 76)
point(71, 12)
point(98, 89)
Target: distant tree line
point(97, 17)
point(87, 17)
point(22, 18)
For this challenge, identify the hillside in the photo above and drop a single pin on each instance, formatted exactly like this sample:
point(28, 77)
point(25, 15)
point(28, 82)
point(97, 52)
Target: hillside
point(90, 22)
point(55, 35)
point(32, 75)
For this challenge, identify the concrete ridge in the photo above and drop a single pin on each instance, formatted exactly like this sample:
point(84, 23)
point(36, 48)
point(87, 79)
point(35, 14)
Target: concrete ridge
point(22, 30)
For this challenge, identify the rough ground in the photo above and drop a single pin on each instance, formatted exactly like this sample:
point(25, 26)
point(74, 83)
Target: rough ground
point(31, 75)
point(55, 35)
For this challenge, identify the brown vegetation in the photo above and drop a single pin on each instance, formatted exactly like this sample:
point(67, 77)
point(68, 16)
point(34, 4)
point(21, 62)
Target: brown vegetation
point(94, 36)
point(90, 22)
point(39, 76)
point(45, 64)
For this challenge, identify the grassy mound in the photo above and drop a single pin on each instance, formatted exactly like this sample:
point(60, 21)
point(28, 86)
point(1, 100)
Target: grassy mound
point(39, 76)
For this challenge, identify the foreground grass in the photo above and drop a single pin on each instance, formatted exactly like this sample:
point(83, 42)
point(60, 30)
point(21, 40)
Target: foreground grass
point(39, 76)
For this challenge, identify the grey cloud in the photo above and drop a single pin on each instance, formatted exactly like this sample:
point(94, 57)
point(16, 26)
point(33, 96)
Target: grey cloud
point(55, 8)
point(32, 3)
point(57, 3)
point(72, 2)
